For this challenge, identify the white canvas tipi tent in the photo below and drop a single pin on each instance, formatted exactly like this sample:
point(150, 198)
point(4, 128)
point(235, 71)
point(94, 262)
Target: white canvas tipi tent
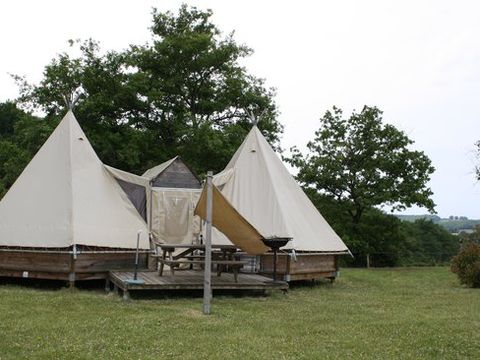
point(260, 187)
point(66, 197)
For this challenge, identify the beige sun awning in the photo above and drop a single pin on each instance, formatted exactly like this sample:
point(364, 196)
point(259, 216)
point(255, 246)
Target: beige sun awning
point(231, 223)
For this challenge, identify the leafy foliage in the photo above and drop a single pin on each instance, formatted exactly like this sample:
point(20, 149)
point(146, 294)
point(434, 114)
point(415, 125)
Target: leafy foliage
point(184, 93)
point(467, 265)
point(385, 238)
point(356, 164)
point(427, 243)
point(363, 163)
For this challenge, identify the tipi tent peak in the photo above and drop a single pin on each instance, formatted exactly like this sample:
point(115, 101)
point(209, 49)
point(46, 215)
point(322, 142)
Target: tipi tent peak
point(254, 119)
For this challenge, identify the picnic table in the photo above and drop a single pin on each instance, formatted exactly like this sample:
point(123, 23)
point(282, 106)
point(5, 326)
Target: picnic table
point(223, 256)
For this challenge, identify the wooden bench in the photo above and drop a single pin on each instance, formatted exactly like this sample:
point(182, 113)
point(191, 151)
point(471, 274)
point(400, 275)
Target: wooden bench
point(235, 265)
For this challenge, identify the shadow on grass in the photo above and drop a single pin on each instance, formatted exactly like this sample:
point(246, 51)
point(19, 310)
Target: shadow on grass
point(53, 285)
point(98, 286)
point(302, 284)
point(193, 294)
point(41, 284)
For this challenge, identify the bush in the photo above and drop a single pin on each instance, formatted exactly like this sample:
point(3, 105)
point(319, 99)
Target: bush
point(467, 265)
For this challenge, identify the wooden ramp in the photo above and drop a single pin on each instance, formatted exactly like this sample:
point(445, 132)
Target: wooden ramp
point(191, 280)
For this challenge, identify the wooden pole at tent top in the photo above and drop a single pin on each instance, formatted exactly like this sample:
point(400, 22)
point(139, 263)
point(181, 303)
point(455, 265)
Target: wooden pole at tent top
point(207, 285)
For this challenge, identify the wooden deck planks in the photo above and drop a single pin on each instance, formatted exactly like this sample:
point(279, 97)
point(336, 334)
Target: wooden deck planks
point(193, 280)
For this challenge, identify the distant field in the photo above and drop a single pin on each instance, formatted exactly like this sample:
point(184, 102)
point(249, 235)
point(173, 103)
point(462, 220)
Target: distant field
point(450, 225)
point(410, 313)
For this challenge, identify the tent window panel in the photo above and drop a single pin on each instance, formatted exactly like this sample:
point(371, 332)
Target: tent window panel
point(137, 195)
point(177, 216)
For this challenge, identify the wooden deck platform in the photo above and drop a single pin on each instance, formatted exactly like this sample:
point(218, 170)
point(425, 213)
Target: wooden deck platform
point(191, 280)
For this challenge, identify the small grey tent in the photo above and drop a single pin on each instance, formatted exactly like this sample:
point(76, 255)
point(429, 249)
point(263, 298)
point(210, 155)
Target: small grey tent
point(175, 192)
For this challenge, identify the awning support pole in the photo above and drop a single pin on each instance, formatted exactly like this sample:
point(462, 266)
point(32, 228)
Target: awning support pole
point(150, 200)
point(207, 286)
point(135, 272)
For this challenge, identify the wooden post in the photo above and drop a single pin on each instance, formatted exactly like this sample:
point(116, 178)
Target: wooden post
point(150, 208)
point(135, 271)
point(71, 275)
point(368, 261)
point(71, 281)
point(207, 286)
point(152, 264)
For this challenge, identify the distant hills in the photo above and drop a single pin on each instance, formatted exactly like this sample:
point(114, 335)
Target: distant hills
point(453, 224)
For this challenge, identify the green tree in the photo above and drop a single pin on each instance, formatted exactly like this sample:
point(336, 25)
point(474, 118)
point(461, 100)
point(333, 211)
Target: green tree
point(390, 240)
point(363, 163)
point(381, 237)
point(183, 93)
point(427, 243)
point(385, 234)
point(9, 115)
point(195, 92)
point(467, 265)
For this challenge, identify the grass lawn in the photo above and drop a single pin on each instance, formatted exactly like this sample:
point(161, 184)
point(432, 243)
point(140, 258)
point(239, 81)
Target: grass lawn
point(410, 313)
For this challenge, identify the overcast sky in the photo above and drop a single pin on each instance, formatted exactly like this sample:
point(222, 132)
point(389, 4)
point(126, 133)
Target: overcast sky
point(418, 61)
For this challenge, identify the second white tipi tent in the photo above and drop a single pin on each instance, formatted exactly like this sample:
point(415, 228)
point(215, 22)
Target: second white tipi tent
point(66, 197)
point(259, 186)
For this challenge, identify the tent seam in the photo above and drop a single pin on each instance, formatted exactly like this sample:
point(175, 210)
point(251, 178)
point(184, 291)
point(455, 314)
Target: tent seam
point(70, 168)
point(262, 158)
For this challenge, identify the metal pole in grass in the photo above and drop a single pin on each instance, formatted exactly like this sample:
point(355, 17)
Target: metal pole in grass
point(136, 255)
point(135, 280)
point(207, 285)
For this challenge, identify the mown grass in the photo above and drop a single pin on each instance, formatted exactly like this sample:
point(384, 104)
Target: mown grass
point(411, 313)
